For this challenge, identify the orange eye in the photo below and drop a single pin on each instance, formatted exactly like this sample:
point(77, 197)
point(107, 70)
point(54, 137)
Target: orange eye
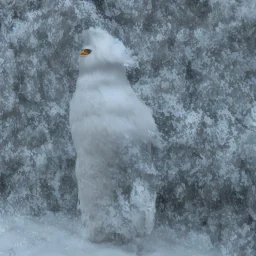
point(85, 52)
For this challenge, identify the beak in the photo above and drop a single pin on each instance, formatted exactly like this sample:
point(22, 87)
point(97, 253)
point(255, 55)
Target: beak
point(85, 52)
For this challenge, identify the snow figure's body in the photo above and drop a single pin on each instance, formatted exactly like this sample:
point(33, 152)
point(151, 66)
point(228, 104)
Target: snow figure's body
point(112, 132)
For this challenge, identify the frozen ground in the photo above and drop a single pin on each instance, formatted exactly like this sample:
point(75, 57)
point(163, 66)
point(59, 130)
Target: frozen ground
point(57, 235)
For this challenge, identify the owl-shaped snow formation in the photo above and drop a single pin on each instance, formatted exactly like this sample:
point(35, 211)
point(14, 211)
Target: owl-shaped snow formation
point(112, 132)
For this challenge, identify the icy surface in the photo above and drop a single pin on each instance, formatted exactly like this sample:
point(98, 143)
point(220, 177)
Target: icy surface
point(57, 235)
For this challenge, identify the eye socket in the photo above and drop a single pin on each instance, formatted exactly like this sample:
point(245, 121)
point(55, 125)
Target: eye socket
point(85, 52)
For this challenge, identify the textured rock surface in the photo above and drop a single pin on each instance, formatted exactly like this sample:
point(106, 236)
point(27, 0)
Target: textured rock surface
point(196, 71)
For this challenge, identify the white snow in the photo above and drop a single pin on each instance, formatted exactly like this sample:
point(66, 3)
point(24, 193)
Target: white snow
point(59, 235)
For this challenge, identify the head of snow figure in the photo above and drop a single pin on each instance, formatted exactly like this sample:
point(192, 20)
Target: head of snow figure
point(101, 49)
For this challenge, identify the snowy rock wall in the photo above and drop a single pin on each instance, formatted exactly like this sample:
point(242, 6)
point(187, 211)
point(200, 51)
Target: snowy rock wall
point(39, 48)
point(197, 62)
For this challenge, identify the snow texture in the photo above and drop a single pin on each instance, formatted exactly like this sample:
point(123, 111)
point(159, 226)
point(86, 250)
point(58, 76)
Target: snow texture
point(196, 71)
point(57, 235)
point(112, 131)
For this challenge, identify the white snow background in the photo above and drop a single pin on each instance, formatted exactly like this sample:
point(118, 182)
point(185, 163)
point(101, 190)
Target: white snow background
point(59, 235)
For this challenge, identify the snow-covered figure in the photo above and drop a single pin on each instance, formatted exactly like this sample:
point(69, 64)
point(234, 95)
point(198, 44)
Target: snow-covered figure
point(112, 132)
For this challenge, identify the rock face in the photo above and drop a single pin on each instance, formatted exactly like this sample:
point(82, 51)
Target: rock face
point(39, 59)
point(196, 71)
